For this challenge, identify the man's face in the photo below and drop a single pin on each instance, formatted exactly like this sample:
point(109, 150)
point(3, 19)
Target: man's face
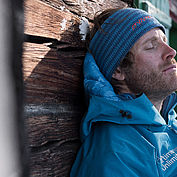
point(154, 70)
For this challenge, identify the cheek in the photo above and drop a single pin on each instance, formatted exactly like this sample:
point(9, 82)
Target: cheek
point(147, 60)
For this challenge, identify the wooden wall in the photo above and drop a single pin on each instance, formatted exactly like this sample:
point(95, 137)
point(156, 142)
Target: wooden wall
point(53, 54)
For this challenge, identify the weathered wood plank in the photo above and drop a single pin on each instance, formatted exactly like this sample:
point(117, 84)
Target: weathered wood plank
point(53, 160)
point(54, 105)
point(85, 8)
point(44, 20)
point(60, 19)
point(54, 122)
point(52, 75)
point(53, 87)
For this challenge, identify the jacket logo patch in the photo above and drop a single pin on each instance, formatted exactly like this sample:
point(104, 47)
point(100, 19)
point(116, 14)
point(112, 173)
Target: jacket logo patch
point(168, 159)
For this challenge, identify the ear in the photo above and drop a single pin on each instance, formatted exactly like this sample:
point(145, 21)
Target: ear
point(118, 75)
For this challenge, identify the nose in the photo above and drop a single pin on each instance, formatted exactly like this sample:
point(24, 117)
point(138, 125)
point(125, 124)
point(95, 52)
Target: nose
point(169, 52)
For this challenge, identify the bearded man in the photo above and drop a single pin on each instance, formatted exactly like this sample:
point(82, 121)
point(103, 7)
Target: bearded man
point(130, 75)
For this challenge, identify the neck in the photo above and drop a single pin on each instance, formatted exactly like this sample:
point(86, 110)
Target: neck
point(157, 104)
point(157, 100)
point(120, 87)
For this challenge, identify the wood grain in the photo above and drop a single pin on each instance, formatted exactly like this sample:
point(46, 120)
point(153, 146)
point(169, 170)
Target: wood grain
point(43, 20)
point(54, 105)
point(49, 74)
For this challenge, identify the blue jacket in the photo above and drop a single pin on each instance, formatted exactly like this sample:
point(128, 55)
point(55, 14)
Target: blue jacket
point(124, 136)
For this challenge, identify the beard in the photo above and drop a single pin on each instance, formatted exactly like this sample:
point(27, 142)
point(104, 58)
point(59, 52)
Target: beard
point(153, 82)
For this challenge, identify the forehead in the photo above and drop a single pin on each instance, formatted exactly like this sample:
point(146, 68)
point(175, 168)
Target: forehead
point(153, 33)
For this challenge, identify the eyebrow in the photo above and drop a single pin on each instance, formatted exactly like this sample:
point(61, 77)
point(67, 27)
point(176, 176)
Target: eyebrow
point(154, 38)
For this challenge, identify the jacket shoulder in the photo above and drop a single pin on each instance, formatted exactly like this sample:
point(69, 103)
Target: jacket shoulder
point(115, 150)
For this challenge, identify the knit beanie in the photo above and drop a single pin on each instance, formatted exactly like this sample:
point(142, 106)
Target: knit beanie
point(117, 36)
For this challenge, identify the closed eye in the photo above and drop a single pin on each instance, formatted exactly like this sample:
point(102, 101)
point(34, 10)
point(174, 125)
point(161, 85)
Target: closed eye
point(149, 46)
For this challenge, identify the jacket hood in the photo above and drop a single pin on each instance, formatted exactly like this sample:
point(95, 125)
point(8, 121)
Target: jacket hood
point(105, 105)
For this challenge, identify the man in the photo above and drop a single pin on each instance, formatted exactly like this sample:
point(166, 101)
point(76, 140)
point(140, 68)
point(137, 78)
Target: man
point(130, 129)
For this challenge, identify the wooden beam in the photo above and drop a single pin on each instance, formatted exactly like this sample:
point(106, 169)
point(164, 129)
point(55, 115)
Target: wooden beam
point(51, 73)
point(54, 105)
point(43, 20)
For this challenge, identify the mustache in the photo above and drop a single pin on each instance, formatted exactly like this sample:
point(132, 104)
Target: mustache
point(168, 63)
